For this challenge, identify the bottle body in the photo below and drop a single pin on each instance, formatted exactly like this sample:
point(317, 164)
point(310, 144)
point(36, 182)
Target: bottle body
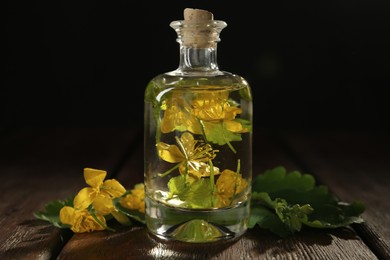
point(198, 155)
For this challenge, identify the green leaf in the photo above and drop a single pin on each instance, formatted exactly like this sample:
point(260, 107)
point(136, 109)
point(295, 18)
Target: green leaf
point(335, 216)
point(131, 213)
point(51, 212)
point(177, 185)
point(198, 194)
point(277, 179)
point(267, 219)
point(218, 134)
point(295, 200)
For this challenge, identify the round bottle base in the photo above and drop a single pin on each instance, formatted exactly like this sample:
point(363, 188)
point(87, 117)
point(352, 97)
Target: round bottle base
point(196, 226)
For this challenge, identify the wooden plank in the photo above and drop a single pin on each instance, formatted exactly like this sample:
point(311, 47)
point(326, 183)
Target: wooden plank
point(41, 165)
point(136, 243)
point(356, 165)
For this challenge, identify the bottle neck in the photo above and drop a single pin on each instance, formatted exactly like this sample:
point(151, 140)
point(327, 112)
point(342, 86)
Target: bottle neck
point(198, 59)
point(198, 46)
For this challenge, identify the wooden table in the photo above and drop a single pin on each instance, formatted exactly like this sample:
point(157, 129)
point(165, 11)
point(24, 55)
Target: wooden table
point(41, 165)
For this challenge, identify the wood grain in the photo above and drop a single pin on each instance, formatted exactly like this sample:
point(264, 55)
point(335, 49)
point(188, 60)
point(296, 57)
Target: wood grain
point(41, 165)
point(356, 167)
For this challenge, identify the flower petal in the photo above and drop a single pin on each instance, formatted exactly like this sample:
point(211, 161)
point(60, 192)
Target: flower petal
point(89, 224)
point(135, 199)
point(212, 106)
point(94, 177)
point(188, 142)
point(84, 198)
point(112, 188)
point(169, 153)
point(103, 205)
point(84, 222)
point(198, 169)
point(67, 215)
point(235, 127)
point(231, 113)
point(229, 184)
point(177, 115)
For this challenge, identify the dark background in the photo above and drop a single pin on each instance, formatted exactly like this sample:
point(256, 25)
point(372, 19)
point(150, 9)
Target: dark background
point(311, 64)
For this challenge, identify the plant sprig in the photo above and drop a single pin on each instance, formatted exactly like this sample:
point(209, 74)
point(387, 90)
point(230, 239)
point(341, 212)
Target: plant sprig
point(284, 202)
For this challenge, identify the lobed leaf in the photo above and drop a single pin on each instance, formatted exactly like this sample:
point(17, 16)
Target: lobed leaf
point(295, 200)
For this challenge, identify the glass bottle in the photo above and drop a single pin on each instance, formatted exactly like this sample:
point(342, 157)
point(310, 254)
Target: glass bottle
point(198, 141)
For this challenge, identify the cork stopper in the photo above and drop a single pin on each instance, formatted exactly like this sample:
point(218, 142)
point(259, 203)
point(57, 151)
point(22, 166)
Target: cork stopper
point(200, 30)
point(196, 15)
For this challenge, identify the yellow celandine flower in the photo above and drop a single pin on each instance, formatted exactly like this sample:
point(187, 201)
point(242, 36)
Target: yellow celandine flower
point(192, 156)
point(80, 220)
point(214, 106)
point(135, 199)
point(204, 111)
point(100, 195)
point(229, 183)
point(177, 115)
